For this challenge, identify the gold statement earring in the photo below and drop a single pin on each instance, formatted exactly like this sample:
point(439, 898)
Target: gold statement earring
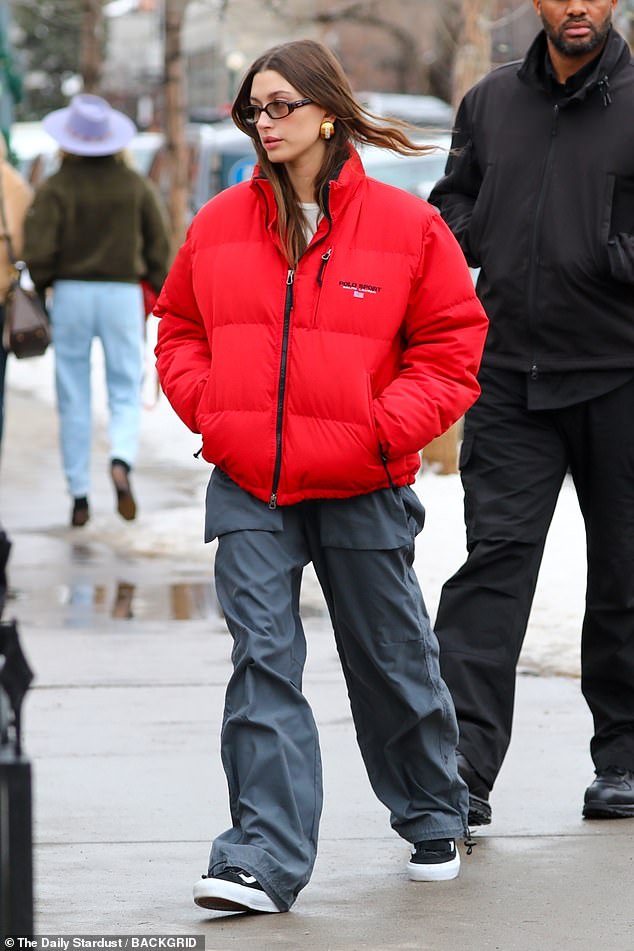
point(326, 130)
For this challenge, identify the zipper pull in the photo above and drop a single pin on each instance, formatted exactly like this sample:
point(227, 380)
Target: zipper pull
point(273, 501)
point(290, 277)
point(604, 86)
point(324, 261)
point(196, 454)
point(534, 372)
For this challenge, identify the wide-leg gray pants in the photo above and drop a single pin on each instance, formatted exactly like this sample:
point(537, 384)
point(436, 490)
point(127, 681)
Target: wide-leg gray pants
point(362, 550)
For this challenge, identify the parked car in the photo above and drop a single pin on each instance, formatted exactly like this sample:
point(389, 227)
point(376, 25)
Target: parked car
point(423, 111)
point(415, 173)
point(36, 152)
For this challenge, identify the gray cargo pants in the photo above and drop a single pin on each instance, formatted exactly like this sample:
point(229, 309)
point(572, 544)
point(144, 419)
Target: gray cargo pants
point(362, 550)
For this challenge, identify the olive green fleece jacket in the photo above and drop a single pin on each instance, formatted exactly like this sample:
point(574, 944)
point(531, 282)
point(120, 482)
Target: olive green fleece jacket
point(96, 219)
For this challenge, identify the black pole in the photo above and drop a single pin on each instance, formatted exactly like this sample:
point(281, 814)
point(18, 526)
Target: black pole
point(16, 840)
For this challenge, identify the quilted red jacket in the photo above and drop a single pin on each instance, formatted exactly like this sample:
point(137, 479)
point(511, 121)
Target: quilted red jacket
point(326, 380)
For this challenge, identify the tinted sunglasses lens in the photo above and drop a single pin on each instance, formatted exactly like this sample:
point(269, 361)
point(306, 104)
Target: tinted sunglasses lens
point(251, 115)
point(277, 110)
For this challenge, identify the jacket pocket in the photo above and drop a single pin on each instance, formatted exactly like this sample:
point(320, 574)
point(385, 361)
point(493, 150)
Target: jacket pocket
point(228, 508)
point(617, 229)
point(381, 450)
point(605, 222)
point(203, 401)
point(480, 213)
point(621, 205)
point(466, 448)
point(371, 417)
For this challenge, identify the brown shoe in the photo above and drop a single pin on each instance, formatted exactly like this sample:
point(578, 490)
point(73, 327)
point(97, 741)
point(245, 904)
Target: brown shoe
point(126, 506)
point(80, 513)
point(122, 607)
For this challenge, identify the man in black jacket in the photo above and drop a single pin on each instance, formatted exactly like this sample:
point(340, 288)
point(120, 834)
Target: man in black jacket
point(540, 194)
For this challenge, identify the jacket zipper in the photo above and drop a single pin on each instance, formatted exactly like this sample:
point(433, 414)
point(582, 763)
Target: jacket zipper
point(288, 306)
point(383, 455)
point(604, 87)
point(534, 254)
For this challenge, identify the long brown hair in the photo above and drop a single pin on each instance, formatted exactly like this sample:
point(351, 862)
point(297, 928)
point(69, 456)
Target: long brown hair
point(314, 71)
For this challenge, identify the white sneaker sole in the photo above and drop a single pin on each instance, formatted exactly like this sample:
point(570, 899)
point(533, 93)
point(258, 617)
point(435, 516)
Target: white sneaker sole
point(218, 895)
point(440, 872)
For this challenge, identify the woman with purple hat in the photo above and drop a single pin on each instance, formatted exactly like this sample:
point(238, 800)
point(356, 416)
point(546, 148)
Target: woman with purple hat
point(94, 231)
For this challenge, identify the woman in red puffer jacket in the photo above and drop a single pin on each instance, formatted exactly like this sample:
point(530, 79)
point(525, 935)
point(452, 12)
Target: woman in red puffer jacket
point(318, 329)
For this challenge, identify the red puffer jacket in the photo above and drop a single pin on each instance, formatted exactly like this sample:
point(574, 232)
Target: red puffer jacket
point(327, 380)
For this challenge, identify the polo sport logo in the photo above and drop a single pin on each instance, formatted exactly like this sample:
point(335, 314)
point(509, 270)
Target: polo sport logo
point(359, 290)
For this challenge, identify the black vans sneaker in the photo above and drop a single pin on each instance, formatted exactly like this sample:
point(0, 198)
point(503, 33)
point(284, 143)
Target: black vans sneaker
point(232, 890)
point(436, 860)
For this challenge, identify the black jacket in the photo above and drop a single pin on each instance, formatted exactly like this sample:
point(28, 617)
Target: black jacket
point(540, 195)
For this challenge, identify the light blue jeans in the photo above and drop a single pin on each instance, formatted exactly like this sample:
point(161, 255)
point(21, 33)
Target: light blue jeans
point(113, 312)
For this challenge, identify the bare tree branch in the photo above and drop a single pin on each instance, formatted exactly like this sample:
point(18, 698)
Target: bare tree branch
point(473, 58)
point(175, 112)
point(358, 13)
point(91, 44)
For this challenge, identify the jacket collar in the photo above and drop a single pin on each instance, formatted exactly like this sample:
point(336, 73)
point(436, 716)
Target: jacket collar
point(615, 56)
point(339, 190)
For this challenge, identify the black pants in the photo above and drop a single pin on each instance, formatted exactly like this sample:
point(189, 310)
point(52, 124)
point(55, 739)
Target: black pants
point(513, 462)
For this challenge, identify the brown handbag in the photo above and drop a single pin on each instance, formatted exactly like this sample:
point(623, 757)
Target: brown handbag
point(26, 331)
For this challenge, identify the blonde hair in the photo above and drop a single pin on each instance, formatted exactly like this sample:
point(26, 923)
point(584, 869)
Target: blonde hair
point(315, 72)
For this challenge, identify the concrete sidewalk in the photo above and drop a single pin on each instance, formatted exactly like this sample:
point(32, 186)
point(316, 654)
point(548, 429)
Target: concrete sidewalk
point(122, 728)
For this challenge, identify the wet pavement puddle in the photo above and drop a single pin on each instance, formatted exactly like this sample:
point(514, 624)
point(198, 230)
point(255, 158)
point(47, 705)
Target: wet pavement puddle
point(84, 584)
point(82, 600)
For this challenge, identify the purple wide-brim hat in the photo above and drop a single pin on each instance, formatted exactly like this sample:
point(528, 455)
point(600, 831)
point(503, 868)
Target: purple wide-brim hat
point(89, 126)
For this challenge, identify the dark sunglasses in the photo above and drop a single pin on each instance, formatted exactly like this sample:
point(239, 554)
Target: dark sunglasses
point(277, 109)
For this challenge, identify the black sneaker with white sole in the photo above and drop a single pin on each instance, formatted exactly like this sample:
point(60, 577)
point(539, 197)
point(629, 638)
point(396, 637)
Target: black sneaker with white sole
point(232, 890)
point(436, 860)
